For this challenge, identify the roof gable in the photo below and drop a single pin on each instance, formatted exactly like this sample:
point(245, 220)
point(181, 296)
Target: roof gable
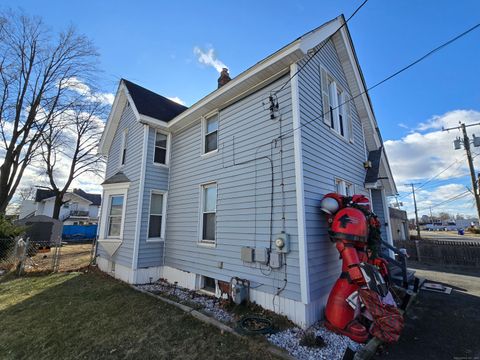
point(45, 194)
point(151, 104)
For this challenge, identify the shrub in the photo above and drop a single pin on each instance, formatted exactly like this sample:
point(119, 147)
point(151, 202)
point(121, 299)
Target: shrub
point(8, 231)
point(474, 230)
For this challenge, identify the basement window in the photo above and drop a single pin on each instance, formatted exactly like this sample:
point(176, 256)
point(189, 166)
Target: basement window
point(209, 284)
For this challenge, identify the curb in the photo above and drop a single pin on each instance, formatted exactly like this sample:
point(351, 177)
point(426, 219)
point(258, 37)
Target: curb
point(274, 350)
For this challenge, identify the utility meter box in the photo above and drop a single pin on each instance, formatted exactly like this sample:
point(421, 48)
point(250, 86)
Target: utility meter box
point(276, 260)
point(246, 254)
point(282, 242)
point(261, 255)
point(239, 293)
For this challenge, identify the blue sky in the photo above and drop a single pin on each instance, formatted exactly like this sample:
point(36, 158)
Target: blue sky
point(152, 42)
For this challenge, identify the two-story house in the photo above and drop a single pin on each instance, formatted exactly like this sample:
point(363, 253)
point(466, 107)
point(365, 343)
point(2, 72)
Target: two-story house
point(231, 186)
point(79, 208)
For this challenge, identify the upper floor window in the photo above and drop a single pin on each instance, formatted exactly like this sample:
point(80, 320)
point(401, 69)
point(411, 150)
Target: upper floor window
point(123, 155)
point(335, 105)
point(209, 212)
point(210, 131)
point(160, 154)
point(343, 187)
point(115, 213)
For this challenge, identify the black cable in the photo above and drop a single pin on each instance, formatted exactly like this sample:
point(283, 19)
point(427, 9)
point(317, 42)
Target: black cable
point(308, 122)
point(389, 77)
point(435, 176)
point(321, 47)
point(456, 197)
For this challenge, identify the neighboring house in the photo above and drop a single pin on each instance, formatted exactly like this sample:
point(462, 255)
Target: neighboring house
point(80, 208)
point(399, 224)
point(201, 195)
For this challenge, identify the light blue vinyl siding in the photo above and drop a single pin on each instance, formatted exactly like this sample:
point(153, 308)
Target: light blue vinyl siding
point(326, 156)
point(379, 210)
point(243, 194)
point(132, 170)
point(156, 178)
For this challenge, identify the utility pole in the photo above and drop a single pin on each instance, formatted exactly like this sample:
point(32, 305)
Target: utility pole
point(431, 216)
point(416, 211)
point(466, 144)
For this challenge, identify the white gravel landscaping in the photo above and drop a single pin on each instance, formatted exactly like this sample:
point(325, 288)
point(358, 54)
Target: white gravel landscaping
point(335, 345)
point(208, 304)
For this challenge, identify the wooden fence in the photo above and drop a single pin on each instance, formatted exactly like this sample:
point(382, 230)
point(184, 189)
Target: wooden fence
point(462, 253)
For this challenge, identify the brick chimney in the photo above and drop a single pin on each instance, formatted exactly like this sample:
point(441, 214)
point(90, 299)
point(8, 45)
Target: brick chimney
point(224, 78)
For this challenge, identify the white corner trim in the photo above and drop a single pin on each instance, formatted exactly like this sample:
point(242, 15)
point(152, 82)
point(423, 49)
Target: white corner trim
point(136, 240)
point(300, 193)
point(388, 228)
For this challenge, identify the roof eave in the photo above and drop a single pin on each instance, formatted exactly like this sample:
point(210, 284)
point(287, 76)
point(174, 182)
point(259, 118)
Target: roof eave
point(265, 71)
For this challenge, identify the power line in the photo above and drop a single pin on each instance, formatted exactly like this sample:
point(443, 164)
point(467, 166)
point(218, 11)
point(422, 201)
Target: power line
point(388, 77)
point(322, 113)
point(320, 48)
point(453, 198)
point(457, 161)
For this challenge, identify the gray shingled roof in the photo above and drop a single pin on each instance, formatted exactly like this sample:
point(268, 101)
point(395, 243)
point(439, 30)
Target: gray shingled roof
point(118, 178)
point(96, 199)
point(43, 194)
point(151, 104)
point(374, 157)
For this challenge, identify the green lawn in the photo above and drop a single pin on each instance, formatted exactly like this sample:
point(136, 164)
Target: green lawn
point(91, 316)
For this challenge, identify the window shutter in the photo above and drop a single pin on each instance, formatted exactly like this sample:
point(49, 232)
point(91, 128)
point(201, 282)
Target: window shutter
point(349, 117)
point(325, 97)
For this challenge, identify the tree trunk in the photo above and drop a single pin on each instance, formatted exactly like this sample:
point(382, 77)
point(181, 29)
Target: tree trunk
point(57, 206)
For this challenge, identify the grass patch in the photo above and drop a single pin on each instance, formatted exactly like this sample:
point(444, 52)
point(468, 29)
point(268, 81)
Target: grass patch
point(92, 316)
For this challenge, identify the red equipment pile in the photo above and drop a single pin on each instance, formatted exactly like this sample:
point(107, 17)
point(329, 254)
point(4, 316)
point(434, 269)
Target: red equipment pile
point(360, 303)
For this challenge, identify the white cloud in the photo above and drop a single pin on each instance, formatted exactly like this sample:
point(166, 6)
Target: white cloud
point(83, 89)
point(209, 58)
point(177, 100)
point(427, 152)
point(419, 156)
point(450, 119)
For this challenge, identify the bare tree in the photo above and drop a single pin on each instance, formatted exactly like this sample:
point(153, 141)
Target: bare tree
point(69, 147)
point(36, 72)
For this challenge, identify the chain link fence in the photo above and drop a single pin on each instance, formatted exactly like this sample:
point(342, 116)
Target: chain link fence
point(23, 256)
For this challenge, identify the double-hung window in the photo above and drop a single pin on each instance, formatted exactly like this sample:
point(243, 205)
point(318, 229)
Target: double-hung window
point(343, 187)
point(160, 153)
point(123, 155)
point(155, 222)
point(210, 134)
point(336, 105)
point(115, 213)
point(209, 213)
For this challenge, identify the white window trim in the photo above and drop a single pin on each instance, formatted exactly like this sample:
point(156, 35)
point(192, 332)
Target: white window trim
point(201, 241)
point(167, 153)
point(347, 137)
point(164, 216)
point(123, 149)
point(204, 120)
point(345, 185)
point(110, 190)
